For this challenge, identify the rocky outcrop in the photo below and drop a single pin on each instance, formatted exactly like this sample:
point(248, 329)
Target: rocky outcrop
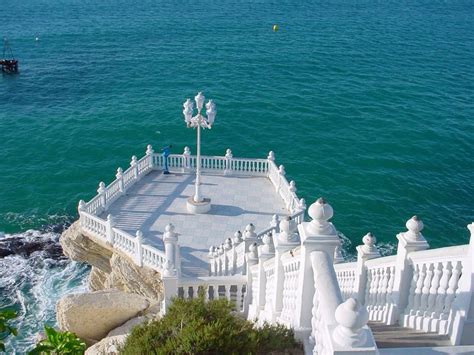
point(107, 346)
point(110, 267)
point(79, 247)
point(92, 315)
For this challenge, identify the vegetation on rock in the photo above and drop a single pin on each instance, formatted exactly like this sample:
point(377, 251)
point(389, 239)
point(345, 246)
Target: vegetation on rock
point(59, 343)
point(199, 327)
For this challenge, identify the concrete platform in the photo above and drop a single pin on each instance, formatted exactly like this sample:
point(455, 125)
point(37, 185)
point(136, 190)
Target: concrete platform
point(159, 199)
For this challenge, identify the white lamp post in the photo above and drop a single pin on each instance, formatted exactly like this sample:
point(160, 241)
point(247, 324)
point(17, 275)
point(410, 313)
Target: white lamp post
point(196, 203)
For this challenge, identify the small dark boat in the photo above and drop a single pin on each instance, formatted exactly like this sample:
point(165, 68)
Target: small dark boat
point(10, 65)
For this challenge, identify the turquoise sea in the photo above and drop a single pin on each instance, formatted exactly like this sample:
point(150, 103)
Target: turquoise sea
point(367, 103)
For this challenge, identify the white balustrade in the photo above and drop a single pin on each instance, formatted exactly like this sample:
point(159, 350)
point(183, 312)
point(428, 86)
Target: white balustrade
point(232, 288)
point(291, 267)
point(93, 225)
point(434, 288)
point(346, 277)
point(379, 287)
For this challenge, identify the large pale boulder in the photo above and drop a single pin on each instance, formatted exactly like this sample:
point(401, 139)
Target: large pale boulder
point(92, 315)
point(107, 346)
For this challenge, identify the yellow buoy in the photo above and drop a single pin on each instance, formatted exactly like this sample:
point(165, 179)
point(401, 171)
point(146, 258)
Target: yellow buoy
point(275, 28)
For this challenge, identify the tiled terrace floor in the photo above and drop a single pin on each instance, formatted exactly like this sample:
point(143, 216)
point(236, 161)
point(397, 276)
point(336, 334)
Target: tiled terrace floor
point(159, 199)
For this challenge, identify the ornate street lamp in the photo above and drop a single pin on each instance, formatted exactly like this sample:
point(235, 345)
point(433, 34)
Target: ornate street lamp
point(196, 203)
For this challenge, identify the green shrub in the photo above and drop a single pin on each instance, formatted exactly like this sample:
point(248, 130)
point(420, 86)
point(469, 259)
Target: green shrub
point(60, 343)
point(199, 327)
point(6, 315)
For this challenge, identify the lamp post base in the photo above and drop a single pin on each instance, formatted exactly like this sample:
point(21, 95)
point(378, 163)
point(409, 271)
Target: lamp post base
point(198, 207)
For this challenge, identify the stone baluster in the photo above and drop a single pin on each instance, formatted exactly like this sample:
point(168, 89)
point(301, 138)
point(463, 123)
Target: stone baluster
point(186, 159)
point(317, 235)
point(119, 177)
point(266, 252)
point(221, 266)
point(102, 197)
point(292, 200)
point(366, 251)
point(451, 292)
point(212, 265)
point(249, 237)
point(408, 242)
point(235, 242)
point(442, 288)
point(109, 231)
point(149, 153)
point(425, 292)
point(351, 330)
point(285, 241)
point(281, 175)
point(170, 239)
point(138, 248)
point(271, 156)
point(433, 294)
point(228, 162)
point(227, 256)
point(134, 165)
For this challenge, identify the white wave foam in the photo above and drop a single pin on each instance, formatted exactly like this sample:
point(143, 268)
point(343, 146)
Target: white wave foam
point(33, 285)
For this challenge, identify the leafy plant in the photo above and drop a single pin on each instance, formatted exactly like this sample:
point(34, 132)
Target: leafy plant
point(5, 330)
point(198, 327)
point(59, 343)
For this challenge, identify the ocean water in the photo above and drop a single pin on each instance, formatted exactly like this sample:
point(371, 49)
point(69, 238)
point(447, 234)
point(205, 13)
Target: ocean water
point(367, 103)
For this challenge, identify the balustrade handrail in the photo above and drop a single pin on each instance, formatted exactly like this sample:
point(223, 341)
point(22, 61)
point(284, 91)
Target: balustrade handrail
point(382, 261)
point(345, 266)
point(210, 280)
point(439, 254)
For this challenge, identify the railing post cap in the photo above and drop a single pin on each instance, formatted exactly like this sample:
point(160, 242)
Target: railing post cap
point(268, 246)
point(228, 153)
point(369, 240)
point(237, 237)
point(110, 218)
point(320, 210)
point(249, 231)
point(134, 160)
point(169, 227)
point(149, 150)
point(101, 188)
point(292, 186)
point(119, 171)
point(228, 244)
point(415, 226)
point(187, 151)
point(211, 251)
point(253, 249)
point(271, 155)
point(351, 316)
point(81, 205)
point(281, 169)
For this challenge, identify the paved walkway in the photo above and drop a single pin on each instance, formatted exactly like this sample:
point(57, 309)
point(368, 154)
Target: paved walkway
point(159, 199)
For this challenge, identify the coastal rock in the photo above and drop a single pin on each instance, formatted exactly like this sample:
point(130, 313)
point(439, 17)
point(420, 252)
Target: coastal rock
point(92, 315)
point(107, 346)
point(129, 277)
point(77, 246)
point(30, 242)
point(97, 279)
point(127, 327)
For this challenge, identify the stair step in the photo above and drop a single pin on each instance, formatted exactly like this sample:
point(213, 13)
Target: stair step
point(394, 336)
